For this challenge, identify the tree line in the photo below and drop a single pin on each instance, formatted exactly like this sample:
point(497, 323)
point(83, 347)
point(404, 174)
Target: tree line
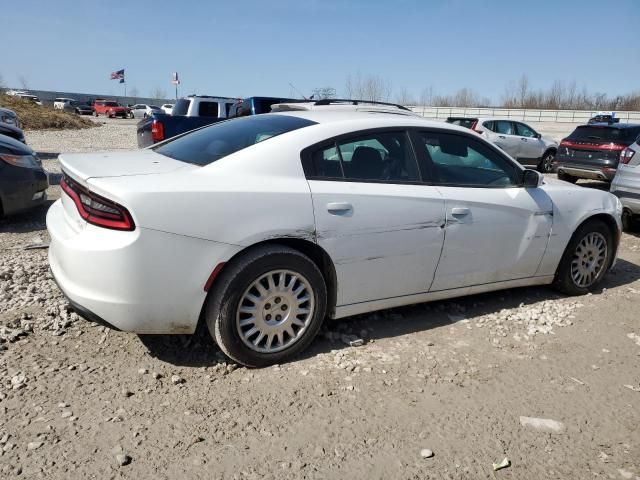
point(518, 94)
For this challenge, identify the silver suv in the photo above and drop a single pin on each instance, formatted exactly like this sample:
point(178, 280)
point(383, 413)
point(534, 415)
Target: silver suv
point(518, 139)
point(626, 185)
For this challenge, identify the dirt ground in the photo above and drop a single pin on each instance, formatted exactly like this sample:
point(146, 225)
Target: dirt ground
point(454, 377)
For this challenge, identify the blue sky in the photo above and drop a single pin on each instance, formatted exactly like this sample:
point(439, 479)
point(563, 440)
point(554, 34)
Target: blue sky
point(257, 47)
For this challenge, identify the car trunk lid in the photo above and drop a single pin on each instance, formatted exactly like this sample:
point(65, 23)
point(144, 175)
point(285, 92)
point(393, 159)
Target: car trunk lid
point(83, 166)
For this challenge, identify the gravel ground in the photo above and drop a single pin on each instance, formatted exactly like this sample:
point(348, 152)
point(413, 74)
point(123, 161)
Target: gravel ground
point(440, 390)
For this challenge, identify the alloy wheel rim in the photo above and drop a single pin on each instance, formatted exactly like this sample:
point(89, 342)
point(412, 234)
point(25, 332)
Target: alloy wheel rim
point(275, 311)
point(589, 259)
point(548, 163)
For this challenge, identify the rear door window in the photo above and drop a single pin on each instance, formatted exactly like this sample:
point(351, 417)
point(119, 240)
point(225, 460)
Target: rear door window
point(385, 157)
point(208, 109)
point(504, 127)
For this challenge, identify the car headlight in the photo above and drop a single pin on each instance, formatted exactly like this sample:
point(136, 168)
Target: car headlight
point(25, 161)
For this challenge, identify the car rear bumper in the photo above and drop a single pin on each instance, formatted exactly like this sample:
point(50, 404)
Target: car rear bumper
point(594, 173)
point(629, 199)
point(22, 189)
point(144, 281)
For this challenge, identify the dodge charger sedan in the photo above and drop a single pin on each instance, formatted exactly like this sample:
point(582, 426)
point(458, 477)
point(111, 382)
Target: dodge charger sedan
point(263, 226)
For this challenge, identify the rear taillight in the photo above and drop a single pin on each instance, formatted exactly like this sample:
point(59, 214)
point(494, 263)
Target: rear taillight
point(473, 127)
point(609, 147)
point(95, 209)
point(157, 131)
point(626, 155)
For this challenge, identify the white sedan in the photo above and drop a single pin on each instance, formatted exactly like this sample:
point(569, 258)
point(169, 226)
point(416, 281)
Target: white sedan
point(263, 226)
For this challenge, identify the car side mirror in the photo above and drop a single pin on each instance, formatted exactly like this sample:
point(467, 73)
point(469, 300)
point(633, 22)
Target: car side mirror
point(532, 178)
point(538, 135)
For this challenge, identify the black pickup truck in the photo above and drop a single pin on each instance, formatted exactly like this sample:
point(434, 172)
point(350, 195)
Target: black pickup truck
point(194, 112)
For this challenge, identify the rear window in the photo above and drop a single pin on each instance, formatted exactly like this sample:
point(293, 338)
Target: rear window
point(604, 134)
point(181, 107)
point(463, 122)
point(206, 145)
point(110, 104)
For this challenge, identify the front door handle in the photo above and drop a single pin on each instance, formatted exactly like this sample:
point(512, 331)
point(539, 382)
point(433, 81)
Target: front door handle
point(523, 139)
point(339, 207)
point(460, 211)
point(501, 136)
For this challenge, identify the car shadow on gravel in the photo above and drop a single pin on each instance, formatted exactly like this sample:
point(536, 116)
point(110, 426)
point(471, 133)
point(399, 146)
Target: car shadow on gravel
point(199, 350)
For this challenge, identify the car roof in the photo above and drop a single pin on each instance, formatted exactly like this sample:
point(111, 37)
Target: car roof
point(612, 125)
point(366, 118)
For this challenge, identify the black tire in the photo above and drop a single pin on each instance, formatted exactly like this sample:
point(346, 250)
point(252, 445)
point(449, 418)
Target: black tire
point(236, 278)
point(567, 178)
point(630, 222)
point(95, 113)
point(564, 281)
point(546, 162)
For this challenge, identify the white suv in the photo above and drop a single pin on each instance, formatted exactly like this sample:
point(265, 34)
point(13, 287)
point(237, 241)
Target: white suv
point(518, 139)
point(61, 103)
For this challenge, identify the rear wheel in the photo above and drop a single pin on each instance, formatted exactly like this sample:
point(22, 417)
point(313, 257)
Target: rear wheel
point(567, 178)
point(266, 306)
point(546, 163)
point(586, 259)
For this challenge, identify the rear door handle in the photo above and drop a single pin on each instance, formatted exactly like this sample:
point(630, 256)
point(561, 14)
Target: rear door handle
point(501, 136)
point(339, 207)
point(460, 211)
point(523, 139)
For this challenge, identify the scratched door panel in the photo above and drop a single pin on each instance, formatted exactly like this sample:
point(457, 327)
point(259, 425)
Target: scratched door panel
point(387, 244)
point(503, 237)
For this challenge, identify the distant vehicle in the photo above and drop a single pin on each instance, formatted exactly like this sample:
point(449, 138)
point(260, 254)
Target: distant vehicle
point(265, 225)
point(23, 181)
point(25, 96)
point(594, 151)
point(109, 108)
point(626, 185)
point(197, 111)
point(61, 102)
point(516, 138)
point(142, 110)
point(81, 108)
point(604, 117)
point(167, 108)
point(9, 117)
point(12, 131)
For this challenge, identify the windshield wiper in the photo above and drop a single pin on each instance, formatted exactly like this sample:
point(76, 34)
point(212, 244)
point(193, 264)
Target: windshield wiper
point(595, 137)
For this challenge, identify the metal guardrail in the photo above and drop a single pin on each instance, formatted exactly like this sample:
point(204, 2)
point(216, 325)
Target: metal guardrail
point(566, 116)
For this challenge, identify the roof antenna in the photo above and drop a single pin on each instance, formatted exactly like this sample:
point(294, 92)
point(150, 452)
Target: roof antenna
point(299, 92)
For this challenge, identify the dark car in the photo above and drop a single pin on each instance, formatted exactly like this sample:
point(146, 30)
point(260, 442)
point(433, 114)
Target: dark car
point(466, 122)
point(12, 131)
point(603, 118)
point(593, 151)
point(23, 181)
point(81, 108)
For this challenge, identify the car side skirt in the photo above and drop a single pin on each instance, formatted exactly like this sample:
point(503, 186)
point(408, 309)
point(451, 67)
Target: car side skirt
point(365, 307)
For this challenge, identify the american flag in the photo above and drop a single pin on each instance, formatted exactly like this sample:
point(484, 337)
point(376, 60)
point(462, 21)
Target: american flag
point(119, 75)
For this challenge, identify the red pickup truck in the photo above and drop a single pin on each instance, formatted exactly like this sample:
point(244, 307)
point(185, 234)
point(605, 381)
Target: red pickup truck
point(110, 109)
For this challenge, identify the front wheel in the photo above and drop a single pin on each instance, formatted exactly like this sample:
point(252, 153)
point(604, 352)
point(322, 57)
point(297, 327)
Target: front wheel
point(546, 163)
point(586, 259)
point(266, 306)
